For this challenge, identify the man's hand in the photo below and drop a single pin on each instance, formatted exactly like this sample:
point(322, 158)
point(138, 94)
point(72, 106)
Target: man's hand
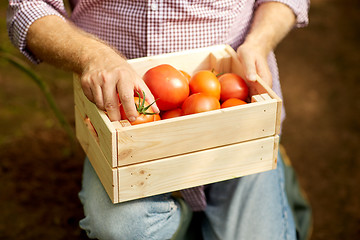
point(108, 77)
point(104, 73)
point(271, 22)
point(254, 63)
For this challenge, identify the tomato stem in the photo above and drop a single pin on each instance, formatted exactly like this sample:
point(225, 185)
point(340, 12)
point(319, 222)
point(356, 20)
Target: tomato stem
point(217, 75)
point(141, 108)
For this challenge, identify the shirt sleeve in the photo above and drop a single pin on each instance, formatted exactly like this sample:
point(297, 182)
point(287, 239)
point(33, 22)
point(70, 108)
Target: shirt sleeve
point(299, 7)
point(22, 13)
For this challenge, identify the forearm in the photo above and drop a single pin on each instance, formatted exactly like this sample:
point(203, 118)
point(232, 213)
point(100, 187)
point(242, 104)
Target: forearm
point(272, 21)
point(59, 43)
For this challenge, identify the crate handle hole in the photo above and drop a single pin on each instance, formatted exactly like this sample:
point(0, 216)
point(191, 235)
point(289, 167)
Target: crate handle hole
point(91, 128)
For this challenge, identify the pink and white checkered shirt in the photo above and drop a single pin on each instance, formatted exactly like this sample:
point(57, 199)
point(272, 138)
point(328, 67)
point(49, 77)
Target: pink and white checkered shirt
point(140, 28)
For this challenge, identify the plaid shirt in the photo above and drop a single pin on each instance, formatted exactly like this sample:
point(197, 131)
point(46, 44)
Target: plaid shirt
point(140, 28)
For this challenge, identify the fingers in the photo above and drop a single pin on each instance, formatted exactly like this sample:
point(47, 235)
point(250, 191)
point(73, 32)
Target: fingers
point(263, 70)
point(254, 64)
point(110, 100)
point(149, 97)
point(98, 96)
point(127, 90)
point(86, 87)
point(126, 95)
point(100, 88)
point(248, 62)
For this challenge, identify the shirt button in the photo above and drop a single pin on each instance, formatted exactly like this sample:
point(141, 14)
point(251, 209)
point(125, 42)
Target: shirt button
point(154, 7)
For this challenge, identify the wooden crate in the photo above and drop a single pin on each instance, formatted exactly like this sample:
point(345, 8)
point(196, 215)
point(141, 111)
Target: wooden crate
point(173, 154)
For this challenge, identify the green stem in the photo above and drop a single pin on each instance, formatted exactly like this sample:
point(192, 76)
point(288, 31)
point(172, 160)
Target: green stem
point(45, 90)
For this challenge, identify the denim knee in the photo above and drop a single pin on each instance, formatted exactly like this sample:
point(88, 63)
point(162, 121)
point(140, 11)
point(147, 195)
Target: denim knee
point(149, 218)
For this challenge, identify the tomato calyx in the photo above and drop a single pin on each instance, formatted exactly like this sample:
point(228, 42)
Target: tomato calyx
point(216, 73)
point(141, 107)
point(219, 74)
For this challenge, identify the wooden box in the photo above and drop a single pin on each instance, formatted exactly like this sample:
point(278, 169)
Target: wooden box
point(173, 154)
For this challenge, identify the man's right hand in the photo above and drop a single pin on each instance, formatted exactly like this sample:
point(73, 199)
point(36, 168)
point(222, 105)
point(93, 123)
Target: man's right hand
point(108, 78)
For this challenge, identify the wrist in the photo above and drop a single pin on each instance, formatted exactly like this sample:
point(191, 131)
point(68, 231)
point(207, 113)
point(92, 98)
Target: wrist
point(271, 22)
point(257, 46)
point(95, 54)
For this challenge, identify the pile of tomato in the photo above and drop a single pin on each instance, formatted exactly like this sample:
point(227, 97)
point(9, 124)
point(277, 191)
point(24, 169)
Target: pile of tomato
point(177, 93)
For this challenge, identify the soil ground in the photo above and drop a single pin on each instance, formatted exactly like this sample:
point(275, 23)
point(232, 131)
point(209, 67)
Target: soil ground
point(40, 170)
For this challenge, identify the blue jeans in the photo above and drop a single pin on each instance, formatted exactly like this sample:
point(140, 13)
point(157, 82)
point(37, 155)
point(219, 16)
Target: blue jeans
point(251, 207)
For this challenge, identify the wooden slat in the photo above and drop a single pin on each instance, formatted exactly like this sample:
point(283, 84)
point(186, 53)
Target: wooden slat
point(260, 87)
point(198, 168)
point(185, 134)
point(220, 61)
point(103, 126)
point(266, 96)
point(276, 149)
point(226, 62)
point(108, 176)
point(257, 98)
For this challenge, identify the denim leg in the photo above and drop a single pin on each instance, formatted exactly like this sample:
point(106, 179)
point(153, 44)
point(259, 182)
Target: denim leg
point(149, 218)
point(252, 207)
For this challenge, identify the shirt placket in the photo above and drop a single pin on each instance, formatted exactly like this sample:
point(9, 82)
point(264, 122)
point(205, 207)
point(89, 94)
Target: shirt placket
point(155, 27)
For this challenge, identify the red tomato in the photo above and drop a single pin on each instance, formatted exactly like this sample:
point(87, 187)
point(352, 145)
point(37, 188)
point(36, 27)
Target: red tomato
point(233, 86)
point(200, 102)
point(177, 112)
point(168, 85)
point(145, 114)
point(157, 117)
point(205, 81)
point(232, 102)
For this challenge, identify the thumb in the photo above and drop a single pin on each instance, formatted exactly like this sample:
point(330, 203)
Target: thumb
point(249, 65)
point(264, 72)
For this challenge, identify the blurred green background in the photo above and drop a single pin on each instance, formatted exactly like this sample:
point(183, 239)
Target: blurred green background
point(40, 170)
